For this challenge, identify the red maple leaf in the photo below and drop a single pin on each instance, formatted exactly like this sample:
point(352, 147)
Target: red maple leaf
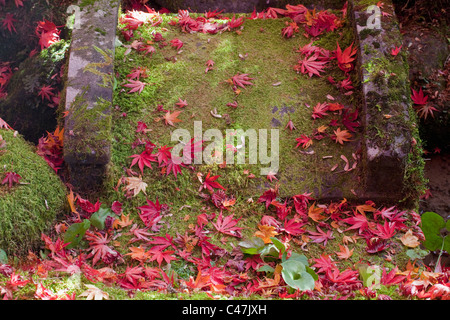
point(345, 58)
point(288, 32)
point(234, 23)
point(290, 125)
point(213, 14)
point(181, 103)
point(375, 245)
point(320, 110)
point(348, 276)
point(176, 43)
point(163, 154)
point(46, 92)
point(227, 225)
point(162, 243)
point(324, 264)
point(311, 65)
point(418, 97)
point(358, 221)
point(46, 39)
point(321, 236)
point(143, 159)
point(98, 245)
point(293, 227)
point(268, 196)
point(159, 255)
point(303, 141)
point(241, 80)
point(135, 85)
point(301, 202)
point(11, 178)
point(396, 51)
point(150, 213)
point(137, 73)
point(173, 167)
point(424, 110)
point(147, 49)
point(391, 278)
point(210, 183)
point(87, 206)
point(385, 231)
point(8, 22)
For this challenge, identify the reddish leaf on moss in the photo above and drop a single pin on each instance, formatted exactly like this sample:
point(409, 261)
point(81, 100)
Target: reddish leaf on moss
point(227, 225)
point(210, 183)
point(11, 178)
point(135, 85)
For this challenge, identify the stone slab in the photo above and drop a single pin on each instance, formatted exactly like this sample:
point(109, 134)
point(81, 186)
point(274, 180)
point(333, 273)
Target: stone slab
point(89, 89)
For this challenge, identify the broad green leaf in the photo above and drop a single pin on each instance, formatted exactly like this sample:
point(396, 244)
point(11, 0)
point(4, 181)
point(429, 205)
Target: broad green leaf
point(432, 223)
point(299, 257)
point(251, 246)
point(75, 233)
point(3, 257)
point(266, 268)
point(297, 276)
point(99, 217)
point(269, 250)
point(278, 244)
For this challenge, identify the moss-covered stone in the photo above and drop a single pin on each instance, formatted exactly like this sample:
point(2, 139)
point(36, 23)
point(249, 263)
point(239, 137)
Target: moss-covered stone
point(30, 207)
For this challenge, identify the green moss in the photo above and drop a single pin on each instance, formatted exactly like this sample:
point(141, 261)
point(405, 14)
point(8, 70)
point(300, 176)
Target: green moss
point(30, 208)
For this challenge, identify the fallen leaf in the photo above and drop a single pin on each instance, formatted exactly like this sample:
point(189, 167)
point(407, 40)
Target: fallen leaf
point(410, 240)
point(94, 293)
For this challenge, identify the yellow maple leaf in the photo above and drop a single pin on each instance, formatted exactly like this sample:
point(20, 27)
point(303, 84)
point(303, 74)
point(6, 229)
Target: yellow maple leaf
point(265, 232)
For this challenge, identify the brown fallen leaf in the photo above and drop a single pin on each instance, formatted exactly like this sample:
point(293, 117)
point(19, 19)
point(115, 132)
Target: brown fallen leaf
point(410, 240)
point(135, 185)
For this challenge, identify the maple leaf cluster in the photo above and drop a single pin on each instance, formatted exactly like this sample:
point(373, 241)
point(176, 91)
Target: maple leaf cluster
point(51, 148)
point(347, 119)
point(48, 33)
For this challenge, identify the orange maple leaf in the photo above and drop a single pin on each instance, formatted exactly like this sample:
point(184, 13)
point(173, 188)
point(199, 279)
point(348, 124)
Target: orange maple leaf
point(340, 136)
point(138, 253)
point(172, 118)
point(344, 252)
point(265, 232)
point(123, 222)
point(315, 213)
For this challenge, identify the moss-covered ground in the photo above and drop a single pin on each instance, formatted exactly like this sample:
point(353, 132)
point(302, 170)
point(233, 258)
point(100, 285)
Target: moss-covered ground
point(278, 94)
point(29, 207)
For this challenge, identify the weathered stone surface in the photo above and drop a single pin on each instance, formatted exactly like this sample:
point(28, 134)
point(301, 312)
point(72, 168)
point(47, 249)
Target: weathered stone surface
point(89, 94)
point(386, 119)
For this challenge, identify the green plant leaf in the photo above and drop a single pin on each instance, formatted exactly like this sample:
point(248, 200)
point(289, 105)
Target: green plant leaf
point(297, 275)
point(252, 246)
point(269, 250)
point(266, 268)
point(299, 257)
point(75, 233)
point(432, 223)
point(99, 217)
point(278, 244)
point(3, 257)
